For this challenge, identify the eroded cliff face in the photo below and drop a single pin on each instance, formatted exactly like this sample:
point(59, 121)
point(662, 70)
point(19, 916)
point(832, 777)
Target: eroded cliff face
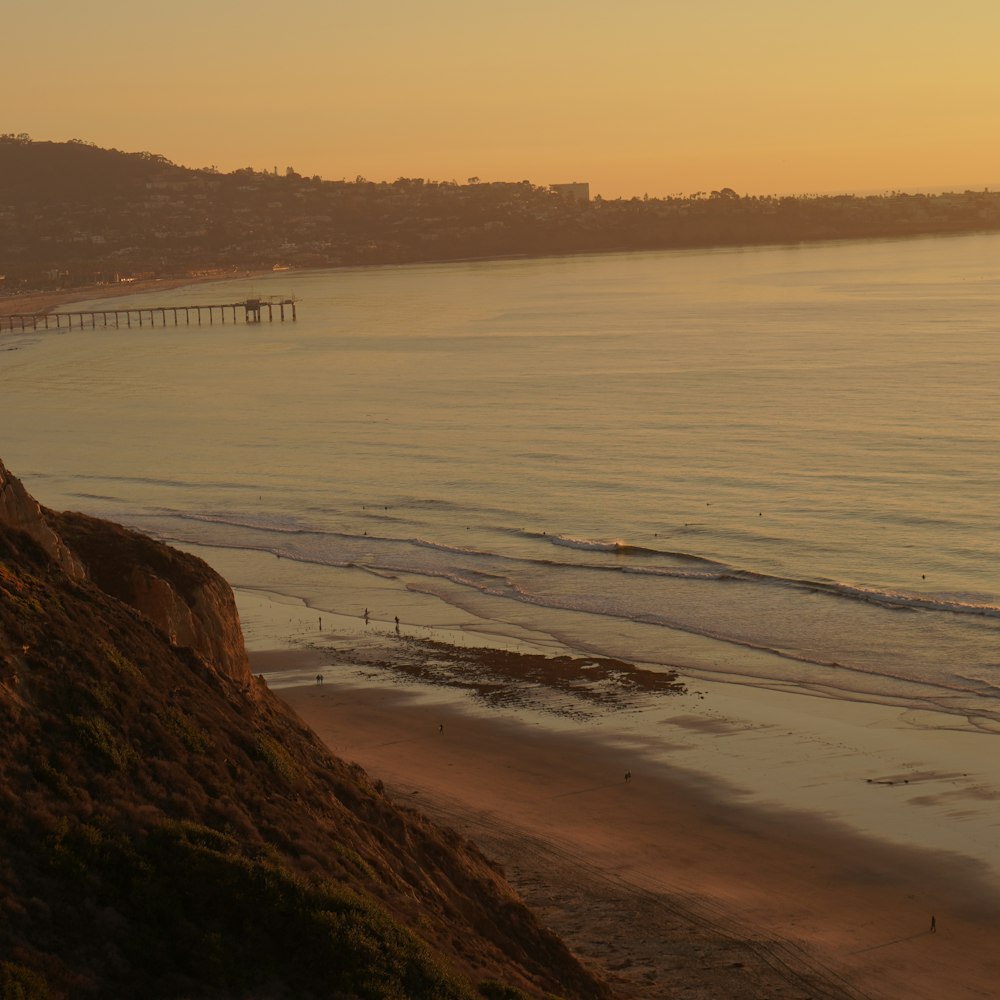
point(18, 509)
point(167, 829)
point(178, 592)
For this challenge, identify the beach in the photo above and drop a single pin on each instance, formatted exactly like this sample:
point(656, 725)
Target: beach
point(666, 885)
point(39, 302)
point(673, 883)
point(720, 519)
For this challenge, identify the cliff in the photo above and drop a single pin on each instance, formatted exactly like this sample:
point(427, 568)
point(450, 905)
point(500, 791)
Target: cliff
point(191, 603)
point(21, 511)
point(170, 828)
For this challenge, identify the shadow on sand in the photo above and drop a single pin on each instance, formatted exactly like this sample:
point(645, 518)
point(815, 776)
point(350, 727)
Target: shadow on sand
point(885, 944)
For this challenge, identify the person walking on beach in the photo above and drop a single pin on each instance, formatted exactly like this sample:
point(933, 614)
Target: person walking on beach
point(397, 623)
point(933, 924)
point(628, 777)
point(366, 616)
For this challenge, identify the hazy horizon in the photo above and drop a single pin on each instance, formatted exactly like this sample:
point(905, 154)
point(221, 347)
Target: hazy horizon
point(394, 175)
point(650, 98)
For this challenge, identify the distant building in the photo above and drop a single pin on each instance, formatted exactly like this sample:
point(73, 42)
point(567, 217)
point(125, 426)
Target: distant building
point(574, 192)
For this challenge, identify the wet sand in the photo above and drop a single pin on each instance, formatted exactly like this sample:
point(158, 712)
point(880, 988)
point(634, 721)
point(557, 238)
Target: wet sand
point(667, 884)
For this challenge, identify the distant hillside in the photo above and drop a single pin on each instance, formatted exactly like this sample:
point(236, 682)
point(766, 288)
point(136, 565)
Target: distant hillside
point(72, 214)
point(169, 828)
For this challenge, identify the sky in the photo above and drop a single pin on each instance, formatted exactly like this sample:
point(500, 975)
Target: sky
point(637, 97)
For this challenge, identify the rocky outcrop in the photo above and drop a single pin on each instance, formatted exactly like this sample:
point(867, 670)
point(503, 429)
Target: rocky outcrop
point(19, 510)
point(177, 591)
point(167, 831)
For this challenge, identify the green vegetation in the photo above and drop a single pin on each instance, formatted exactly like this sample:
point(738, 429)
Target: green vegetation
point(18, 983)
point(169, 829)
point(275, 754)
point(120, 662)
point(354, 859)
point(189, 733)
point(14, 590)
point(191, 906)
point(97, 734)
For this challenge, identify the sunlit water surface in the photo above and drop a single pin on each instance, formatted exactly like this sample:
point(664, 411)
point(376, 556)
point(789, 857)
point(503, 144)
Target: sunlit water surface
point(775, 464)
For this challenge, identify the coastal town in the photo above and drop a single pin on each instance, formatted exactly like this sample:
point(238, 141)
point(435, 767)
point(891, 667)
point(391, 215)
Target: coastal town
point(532, 628)
point(73, 215)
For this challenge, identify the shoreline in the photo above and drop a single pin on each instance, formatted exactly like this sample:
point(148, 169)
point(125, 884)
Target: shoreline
point(895, 774)
point(668, 879)
point(755, 748)
point(696, 881)
point(39, 303)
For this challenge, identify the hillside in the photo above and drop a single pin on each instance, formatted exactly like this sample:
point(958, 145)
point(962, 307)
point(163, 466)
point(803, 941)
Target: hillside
point(170, 828)
point(72, 214)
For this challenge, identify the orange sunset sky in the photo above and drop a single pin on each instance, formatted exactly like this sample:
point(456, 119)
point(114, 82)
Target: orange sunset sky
point(636, 97)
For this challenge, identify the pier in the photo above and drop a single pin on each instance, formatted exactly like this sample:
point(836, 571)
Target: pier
point(248, 311)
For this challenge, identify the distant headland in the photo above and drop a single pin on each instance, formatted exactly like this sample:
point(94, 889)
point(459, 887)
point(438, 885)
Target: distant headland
point(76, 215)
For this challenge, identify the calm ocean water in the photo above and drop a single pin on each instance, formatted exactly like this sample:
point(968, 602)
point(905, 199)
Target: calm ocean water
point(776, 464)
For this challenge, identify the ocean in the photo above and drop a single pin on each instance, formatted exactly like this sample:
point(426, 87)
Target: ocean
point(775, 465)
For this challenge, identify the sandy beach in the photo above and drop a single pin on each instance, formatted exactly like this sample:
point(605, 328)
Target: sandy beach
point(668, 886)
point(772, 842)
point(38, 303)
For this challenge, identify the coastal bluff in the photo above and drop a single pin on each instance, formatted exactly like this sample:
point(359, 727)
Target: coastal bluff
point(169, 827)
point(20, 511)
point(178, 592)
